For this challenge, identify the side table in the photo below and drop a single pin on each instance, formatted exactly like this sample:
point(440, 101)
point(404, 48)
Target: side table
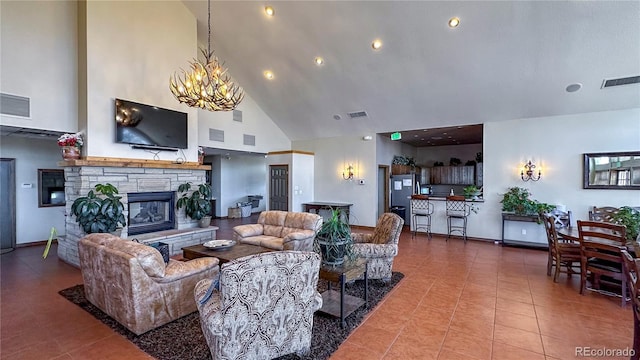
point(339, 304)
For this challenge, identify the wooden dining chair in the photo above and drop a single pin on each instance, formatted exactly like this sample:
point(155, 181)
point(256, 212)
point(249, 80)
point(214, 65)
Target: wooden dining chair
point(601, 257)
point(632, 272)
point(561, 253)
point(603, 213)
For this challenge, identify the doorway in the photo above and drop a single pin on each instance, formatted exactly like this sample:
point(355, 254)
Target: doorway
point(383, 189)
point(7, 211)
point(279, 187)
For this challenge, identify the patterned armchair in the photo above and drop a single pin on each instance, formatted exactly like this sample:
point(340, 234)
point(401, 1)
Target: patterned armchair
point(264, 306)
point(380, 247)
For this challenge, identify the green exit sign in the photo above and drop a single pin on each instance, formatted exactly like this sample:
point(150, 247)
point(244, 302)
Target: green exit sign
point(396, 136)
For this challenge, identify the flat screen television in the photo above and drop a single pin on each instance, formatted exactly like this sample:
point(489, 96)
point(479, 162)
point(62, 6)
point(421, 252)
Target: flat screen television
point(150, 126)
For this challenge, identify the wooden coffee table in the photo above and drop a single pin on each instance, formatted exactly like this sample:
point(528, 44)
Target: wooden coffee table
point(224, 255)
point(339, 304)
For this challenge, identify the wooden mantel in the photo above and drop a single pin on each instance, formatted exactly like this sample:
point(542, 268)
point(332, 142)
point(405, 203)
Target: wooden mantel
point(133, 163)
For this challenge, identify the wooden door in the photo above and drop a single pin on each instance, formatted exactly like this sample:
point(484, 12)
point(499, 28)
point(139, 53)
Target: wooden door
point(279, 187)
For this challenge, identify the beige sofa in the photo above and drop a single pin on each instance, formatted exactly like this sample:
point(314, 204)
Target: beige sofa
point(281, 230)
point(131, 283)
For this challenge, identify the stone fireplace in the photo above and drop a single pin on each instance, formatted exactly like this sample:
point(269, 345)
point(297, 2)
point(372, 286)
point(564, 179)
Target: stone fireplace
point(151, 211)
point(148, 190)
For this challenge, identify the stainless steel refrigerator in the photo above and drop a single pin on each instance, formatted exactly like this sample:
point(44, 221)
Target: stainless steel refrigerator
point(402, 187)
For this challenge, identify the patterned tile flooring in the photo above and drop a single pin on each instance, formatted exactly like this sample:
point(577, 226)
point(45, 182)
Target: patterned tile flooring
point(457, 301)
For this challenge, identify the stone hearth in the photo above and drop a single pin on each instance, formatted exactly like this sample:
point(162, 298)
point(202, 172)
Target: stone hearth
point(131, 177)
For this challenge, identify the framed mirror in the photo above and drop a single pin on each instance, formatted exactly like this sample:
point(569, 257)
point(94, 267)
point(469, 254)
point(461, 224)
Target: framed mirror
point(51, 187)
point(614, 170)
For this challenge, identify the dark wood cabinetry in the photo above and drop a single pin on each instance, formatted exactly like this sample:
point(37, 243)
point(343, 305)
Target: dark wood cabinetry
point(453, 175)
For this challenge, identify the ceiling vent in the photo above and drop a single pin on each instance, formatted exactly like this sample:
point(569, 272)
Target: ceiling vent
point(14, 105)
point(357, 114)
point(620, 81)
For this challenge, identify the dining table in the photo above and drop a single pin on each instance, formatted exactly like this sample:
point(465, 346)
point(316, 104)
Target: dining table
point(571, 234)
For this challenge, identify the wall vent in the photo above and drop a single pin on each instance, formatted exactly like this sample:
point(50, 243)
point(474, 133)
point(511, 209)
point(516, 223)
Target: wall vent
point(357, 114)
point(237, 115)
point(620, 81)
point(216, 135)
point(15, 105)
point(249, 140)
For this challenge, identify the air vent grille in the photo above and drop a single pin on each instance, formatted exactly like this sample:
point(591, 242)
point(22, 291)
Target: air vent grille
point(14, 105)
point(357, 114)
point(621, 81)
point(237, 115)
point(249, 140)
point(216, 135)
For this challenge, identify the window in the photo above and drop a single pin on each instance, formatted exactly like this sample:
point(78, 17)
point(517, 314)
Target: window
point(51, 187)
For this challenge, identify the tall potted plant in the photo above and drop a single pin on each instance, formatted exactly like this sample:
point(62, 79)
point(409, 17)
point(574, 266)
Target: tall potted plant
point(630, 218)
point(333, 241)
point(101, 211)
point(197, 205)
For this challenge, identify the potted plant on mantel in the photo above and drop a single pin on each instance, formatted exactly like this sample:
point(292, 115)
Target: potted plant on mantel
point(100, 214)
point(333, 241)
point(517, 200)
point(198, 205)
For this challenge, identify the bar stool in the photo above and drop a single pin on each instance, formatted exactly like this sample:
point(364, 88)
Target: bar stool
point(457, 210)
point(421, 208)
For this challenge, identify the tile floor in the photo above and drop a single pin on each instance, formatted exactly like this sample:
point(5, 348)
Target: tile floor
point(457, 301)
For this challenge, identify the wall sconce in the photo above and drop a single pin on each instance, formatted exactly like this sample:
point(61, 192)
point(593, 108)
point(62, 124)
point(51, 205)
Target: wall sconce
point(527, 173)
point(348, 173)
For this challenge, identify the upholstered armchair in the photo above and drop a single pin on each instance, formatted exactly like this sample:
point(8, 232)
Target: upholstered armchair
point(380, 247)
point(130, 282)
point(262, 307)
point(281, 230)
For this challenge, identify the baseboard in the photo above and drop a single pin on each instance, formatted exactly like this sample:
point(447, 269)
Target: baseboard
point(36, 243)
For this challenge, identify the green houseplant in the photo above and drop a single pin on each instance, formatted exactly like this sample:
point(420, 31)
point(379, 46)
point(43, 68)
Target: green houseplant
point(99, 214)
point(471, 192)
point(197, 205)
point(518, 201)
point(630, 218)
point(333, 241)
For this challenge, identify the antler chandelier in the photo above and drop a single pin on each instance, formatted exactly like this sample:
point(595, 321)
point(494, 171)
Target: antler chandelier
point(207, 85)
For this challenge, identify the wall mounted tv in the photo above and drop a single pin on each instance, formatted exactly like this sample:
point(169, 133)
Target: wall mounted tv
point(147, 126)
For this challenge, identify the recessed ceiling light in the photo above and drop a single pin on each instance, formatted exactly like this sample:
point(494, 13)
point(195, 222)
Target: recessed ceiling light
point(269, 11)
point(454, 22)
point(415, 135)
point(459, 127)
point(376, 44)
point(424, 130)
point(337, 117)
point(268, 74)
point(449, 137)
point(574, 87)
point(444, 133)
point(422, 139)
point(319, 61)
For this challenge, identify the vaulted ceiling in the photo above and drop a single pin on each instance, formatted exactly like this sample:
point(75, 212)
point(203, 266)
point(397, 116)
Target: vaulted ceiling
point(506, 60)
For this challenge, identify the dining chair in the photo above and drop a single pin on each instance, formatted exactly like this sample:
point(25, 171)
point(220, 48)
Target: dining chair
point(600, 256)
point(421, 209)
point(603, 213)
point(561, 218)
point(632, 272)
point(561, 253)
point(458, 210)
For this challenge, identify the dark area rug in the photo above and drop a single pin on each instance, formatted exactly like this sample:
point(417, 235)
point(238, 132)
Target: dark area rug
point(183, 339)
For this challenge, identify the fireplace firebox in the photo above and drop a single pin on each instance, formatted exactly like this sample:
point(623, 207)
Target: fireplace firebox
point(151, 211)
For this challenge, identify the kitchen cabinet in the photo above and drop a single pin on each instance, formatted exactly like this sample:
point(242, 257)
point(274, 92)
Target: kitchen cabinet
point(453, 175)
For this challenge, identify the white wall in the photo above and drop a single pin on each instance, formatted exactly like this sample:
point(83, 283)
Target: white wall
point(332, 156)
point(302, 180)
point(556, 144)
point(240, 176)
point(133, 47)
point(33, 223)
point(39, 61)
point(255, 122)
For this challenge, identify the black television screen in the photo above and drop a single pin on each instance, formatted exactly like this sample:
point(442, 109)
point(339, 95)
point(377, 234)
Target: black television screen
point(150, 126)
